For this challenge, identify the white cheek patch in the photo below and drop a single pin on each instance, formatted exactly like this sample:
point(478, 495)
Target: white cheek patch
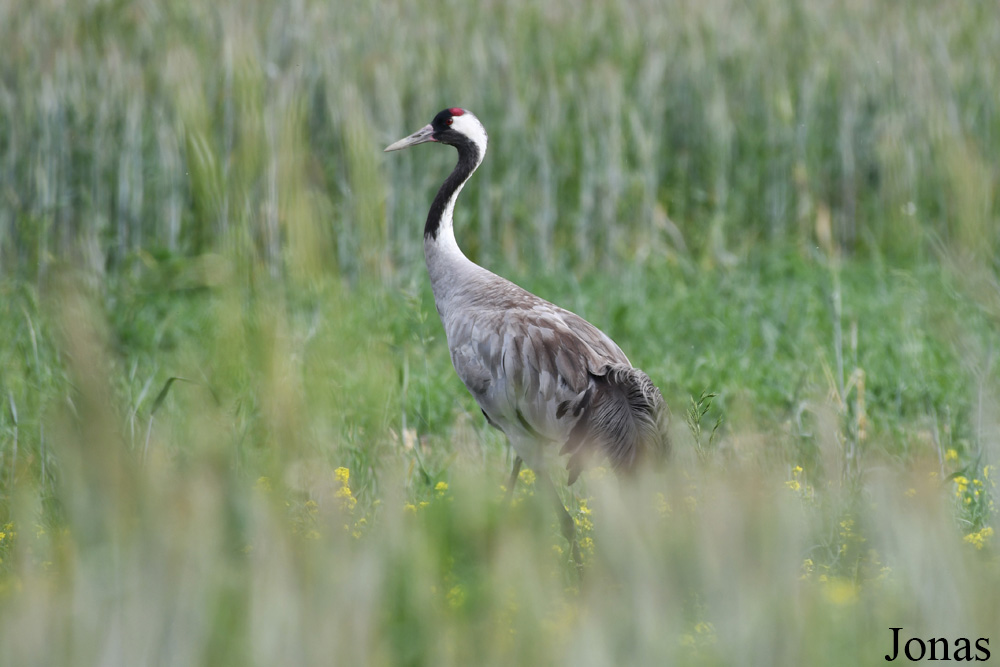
point(470, 126)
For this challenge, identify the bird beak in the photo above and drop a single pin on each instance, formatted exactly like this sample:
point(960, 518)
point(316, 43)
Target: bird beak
point(424, 134)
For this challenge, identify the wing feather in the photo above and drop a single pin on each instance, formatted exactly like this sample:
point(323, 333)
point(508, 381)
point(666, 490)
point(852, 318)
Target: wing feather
point(541, 373)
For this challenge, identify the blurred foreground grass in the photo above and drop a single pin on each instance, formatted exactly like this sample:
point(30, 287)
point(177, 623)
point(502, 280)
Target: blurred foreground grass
point(324, 489)
point(785, 212)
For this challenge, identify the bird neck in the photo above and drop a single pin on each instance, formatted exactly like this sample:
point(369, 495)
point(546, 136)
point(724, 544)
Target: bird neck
point(439, 228)
point(450, 270)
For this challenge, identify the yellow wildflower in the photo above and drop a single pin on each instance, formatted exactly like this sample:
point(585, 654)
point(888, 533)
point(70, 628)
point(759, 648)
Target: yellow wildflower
point(981, 538)
point(358, 527)
point(410, 507)
point(951, 455)
point(848, 536)
point(344, 494)
point(527, 477)
point(840, 591)
point(961, 484)
point(347, 499)
point(703, 636)
point(796, 484)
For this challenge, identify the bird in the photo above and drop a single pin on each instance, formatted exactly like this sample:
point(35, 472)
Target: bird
point(551, 381)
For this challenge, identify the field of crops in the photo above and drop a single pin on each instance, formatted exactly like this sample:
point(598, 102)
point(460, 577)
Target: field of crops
point(230, 432)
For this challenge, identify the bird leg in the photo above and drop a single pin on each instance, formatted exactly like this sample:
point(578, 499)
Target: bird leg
point(513, 478)
point(566, 523)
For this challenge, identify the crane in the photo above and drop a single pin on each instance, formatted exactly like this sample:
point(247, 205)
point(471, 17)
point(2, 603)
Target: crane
point(555, 384)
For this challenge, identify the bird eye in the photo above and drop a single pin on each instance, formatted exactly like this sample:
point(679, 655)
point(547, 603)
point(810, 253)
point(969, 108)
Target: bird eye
point(450, 121)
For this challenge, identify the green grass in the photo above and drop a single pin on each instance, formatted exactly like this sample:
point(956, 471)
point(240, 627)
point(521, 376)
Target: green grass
point(230, 432)
point(216, 527)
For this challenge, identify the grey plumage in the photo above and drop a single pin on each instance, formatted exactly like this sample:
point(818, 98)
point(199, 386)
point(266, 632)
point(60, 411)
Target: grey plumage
point(547, 378)
point(552, 382)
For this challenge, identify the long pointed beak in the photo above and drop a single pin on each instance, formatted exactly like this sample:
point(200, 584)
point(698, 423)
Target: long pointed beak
point(424, 134)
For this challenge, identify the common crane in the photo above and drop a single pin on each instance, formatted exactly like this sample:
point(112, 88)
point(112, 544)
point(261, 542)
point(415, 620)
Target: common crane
point(551, 381)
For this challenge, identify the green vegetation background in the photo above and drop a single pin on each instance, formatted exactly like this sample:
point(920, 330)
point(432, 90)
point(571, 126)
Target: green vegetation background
point(786, 212)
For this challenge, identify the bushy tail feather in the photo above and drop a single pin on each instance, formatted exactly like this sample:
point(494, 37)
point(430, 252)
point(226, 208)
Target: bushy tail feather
point(627, 420)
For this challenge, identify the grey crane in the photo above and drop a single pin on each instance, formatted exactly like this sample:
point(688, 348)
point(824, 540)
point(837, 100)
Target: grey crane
point(551, 381)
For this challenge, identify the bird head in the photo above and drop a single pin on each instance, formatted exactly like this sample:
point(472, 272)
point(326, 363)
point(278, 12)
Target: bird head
point(455, 126)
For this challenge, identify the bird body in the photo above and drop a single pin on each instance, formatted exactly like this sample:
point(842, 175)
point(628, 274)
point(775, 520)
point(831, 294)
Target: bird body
point(551, 381)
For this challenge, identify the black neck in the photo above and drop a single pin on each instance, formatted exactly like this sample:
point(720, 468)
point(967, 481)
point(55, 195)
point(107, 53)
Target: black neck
point(468, 160)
